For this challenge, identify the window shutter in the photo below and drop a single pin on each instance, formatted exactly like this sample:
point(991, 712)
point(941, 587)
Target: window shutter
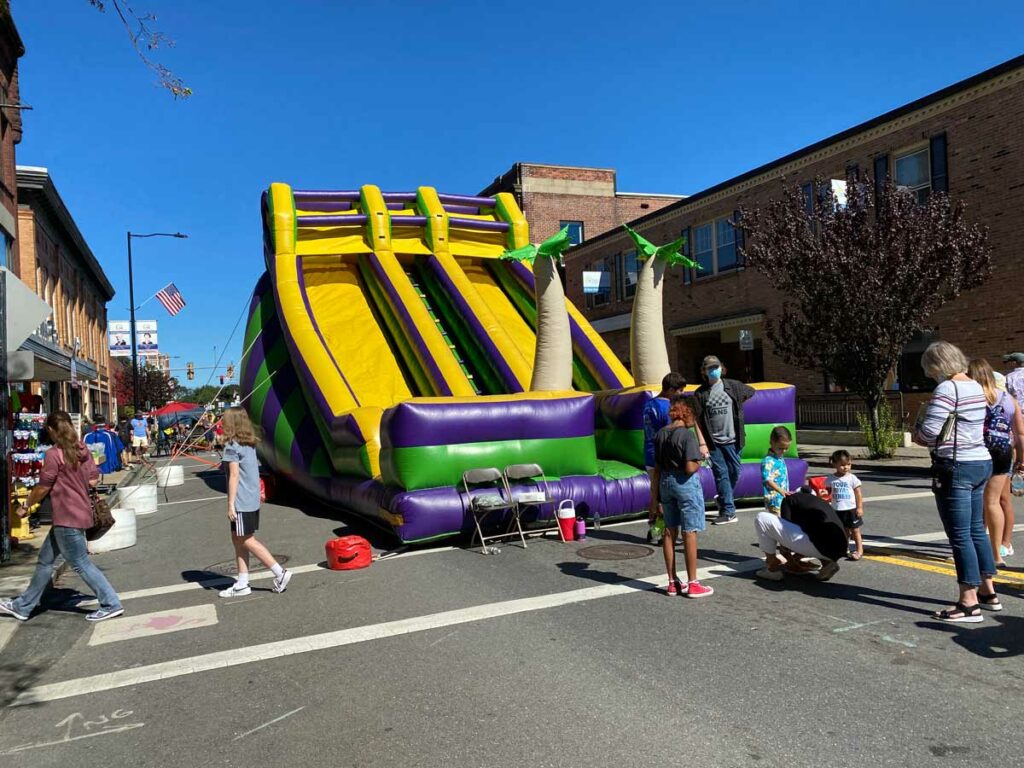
point(741, 240)
point(881, 175)
point(687, 250)
point(937, 153)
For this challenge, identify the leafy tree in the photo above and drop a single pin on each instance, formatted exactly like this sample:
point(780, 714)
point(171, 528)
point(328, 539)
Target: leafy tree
point(856, 287)
point(145, 39)
point(208, 393)
point(154, 385)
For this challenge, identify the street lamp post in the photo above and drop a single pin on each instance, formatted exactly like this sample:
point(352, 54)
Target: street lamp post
point(131, 301)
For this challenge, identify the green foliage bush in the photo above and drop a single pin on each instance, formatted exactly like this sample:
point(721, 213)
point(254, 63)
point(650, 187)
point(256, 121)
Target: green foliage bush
point(890, 432)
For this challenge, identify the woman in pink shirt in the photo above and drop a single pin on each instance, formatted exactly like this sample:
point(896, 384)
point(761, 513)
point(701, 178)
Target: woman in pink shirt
point(67, 477)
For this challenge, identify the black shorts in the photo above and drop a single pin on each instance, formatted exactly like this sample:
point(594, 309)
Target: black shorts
point(246, 523)
point(850, 519)
point(1002, 462)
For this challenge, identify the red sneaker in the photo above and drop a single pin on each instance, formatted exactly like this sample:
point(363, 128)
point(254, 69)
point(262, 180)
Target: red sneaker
point(675, 588)
point(696, 589)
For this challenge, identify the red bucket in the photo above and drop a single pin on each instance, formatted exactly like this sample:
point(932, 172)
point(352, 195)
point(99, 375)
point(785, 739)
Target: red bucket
point(348, 553)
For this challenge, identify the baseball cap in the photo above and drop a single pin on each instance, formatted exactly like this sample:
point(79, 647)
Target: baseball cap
point(711, 361)
point(1017, 357)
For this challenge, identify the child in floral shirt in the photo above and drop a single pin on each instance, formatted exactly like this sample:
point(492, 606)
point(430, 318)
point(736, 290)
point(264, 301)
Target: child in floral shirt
point(774, 473)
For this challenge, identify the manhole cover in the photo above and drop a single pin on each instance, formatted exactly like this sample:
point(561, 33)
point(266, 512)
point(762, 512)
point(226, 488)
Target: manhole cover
point(615, 552)
point(230, 568)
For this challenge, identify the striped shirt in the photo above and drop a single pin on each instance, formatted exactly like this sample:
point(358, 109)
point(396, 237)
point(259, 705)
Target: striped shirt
point(968, 398)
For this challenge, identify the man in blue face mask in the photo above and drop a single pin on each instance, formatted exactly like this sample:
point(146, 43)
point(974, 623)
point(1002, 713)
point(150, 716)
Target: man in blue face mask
point(718, 403)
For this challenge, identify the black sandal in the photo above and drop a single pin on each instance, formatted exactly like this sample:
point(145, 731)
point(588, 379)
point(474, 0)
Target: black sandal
point(960, 614)
point(990, 602)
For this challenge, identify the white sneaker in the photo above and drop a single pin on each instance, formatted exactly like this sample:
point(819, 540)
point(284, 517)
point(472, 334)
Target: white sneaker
point(236, 591)
point(281, 582)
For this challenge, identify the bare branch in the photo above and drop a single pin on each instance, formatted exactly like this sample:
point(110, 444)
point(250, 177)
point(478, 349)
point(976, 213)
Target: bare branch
point(145, 39)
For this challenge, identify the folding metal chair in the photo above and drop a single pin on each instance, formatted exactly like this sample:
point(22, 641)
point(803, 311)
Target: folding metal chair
point(534, 474)
point(485, 489)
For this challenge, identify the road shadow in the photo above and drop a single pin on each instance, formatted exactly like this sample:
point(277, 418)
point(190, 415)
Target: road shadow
point(17, 676)
point(208, 580)
point(854, 593)
point(1003, 639)
point(585, 570)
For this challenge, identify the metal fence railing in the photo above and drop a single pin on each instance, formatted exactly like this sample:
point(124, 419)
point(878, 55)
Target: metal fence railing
point(840, 411)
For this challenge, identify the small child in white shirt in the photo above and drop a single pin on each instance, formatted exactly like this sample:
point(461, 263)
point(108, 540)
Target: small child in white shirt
point(846, 499)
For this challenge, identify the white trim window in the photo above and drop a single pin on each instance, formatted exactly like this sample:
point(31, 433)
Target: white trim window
point(704, 249)
point(630, 273)
point(725, 246)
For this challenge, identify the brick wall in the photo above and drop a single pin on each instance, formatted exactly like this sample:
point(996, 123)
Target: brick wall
point(986, 171)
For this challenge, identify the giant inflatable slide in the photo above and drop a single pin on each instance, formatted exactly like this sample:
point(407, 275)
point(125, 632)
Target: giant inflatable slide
point(389, 348)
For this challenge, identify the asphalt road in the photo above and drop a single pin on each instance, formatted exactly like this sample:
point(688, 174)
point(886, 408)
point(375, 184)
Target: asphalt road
point(536, 657)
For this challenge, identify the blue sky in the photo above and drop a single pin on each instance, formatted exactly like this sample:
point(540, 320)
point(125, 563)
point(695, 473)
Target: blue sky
point(676, 96)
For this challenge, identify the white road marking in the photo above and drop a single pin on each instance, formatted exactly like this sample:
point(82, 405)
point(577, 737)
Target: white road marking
point(149, 624)
point(7, 628)
point(104, 732)
point(275, 720)
point(222, 497)
point(897, 496)
point(272, 650)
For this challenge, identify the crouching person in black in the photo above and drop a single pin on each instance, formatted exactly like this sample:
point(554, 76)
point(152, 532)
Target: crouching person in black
point(808, 526)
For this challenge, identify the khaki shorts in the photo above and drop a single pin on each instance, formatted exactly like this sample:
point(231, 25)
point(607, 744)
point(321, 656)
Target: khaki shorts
point(140, 442)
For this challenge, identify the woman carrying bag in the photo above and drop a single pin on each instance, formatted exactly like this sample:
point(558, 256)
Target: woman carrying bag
point(953, 426)
point(68, 475)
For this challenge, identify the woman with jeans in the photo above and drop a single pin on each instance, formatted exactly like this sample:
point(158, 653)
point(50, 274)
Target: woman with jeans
point(953, 427)
point(68, 474)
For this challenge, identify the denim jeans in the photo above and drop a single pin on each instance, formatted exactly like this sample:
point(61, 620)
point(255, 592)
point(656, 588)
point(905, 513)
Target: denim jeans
point(959, 494)
point(682, 501)
point(71, 543)
point(725, 466)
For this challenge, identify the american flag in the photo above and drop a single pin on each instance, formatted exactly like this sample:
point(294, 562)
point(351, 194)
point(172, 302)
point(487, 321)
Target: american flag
point(171, 298)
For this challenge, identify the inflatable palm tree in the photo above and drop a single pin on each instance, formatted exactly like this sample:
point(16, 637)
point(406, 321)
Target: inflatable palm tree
point(648, 351)
point(552, 361)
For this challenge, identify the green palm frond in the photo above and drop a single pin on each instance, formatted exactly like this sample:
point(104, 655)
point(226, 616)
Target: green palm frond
point(553, 248)
point(670, 253)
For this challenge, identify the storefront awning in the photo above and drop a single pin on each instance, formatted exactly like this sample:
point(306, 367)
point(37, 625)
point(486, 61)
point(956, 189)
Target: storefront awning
point(718, 324)
point(54, 364)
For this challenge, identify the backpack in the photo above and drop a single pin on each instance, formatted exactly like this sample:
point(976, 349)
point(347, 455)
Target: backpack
point(997, 428)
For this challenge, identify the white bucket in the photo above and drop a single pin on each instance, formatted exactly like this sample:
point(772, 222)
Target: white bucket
point(170, 476)
point(141, 498)
point(121, 535)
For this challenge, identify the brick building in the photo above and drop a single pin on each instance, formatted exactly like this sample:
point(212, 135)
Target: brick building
point(965, 139)
point(585, 199)
point(11, 49)
point(57, 264)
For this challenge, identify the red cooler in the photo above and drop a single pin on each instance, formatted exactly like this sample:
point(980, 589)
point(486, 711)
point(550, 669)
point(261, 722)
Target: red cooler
point(348, 553)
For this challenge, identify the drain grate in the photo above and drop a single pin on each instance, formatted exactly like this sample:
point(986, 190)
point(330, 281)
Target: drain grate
point(615, 552)
point(230, 567)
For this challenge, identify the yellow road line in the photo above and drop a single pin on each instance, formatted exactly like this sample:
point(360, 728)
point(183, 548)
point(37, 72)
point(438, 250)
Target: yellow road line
point(1012, 580)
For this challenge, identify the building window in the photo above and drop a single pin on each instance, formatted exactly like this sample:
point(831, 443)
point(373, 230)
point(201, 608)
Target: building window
point(725, 245)
point(629, 274)
point(603, 294)
point(704, 250)
point(912, 173)
point(909, 374)
point(575, 230)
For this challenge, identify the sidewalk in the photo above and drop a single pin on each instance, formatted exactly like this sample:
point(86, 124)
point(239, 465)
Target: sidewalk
point(913, 461)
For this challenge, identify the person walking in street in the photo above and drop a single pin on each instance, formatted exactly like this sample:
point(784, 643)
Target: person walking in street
point(243, 474)
point(844, 488)
point(718, 403)
point(656, 417)
point(67, 476)
point(1015, 377)
point(953, 427)
point(1004, 432)
point(140, 435)
point(676, 488)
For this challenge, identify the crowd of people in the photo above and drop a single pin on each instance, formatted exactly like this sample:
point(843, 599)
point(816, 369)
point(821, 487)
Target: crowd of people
point(973, 426)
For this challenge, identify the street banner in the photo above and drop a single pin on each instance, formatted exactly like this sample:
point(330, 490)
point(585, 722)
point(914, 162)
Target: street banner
point(119, 339)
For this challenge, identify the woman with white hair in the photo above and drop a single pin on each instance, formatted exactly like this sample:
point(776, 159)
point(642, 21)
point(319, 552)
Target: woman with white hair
point(953, 427)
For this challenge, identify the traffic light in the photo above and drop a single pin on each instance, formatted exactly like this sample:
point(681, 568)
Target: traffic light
point(191, 368)
point(231, 370)
point(222, 381)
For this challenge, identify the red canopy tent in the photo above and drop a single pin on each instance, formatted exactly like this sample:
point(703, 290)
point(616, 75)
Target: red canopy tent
point(177, 408)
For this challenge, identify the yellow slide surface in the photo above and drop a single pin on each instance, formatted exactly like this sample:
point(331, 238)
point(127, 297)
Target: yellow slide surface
point(341, 311)
point(494, 297)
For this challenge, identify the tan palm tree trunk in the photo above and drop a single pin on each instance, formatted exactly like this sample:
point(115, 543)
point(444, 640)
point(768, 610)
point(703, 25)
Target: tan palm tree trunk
point(552, 362)
point(648, 352)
